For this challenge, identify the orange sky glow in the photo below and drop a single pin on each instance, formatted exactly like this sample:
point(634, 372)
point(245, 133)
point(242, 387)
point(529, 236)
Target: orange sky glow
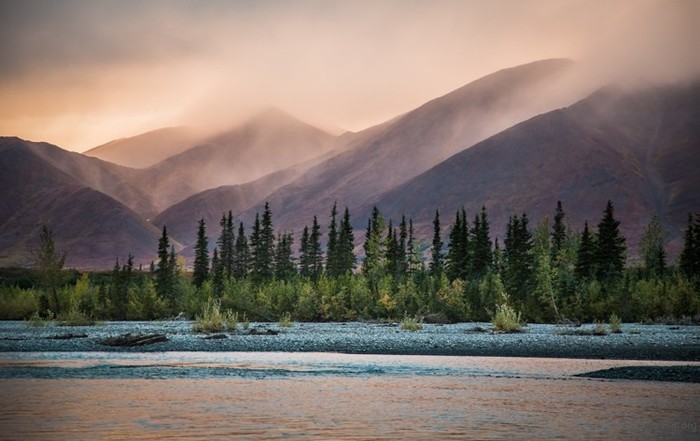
point(81, 73)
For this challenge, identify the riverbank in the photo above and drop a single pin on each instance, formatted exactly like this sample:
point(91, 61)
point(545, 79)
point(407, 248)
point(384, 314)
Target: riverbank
point(636, 342)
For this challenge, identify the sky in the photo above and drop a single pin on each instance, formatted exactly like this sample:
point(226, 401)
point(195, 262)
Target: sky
point(81, 73)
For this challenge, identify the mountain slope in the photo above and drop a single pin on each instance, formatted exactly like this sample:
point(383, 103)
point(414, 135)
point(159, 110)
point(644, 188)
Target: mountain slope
point(92, 227)
point(383, 157)
point(639, 149)
point(146, 149)
point(268, 143)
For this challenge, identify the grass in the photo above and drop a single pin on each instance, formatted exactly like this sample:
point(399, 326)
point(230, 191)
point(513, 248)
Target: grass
point(615, 324)
point(37, 321)
point(600, 329)
point(506, 319)
point(213, 319)
point(286, 320)
point(74, 317)
point(411, 323)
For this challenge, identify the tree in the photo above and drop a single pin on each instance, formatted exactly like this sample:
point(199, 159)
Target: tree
point(241, 254)
point(457, 259)
point(165, 270)
point(558, 231)
point(610, 248)
point(652, 246)
point(689, 261)
point(482, 258)
point(374, 243)
point(262, 246)
point(518, 258)
point(437, 261)
point(304, 257)
point(315, 252)
point(201, 256)
point(217, 271)
point(49, 264)
point(226, 244)
point(284, 265)
point(585, 255)
point(332, 247)
point(345, 248)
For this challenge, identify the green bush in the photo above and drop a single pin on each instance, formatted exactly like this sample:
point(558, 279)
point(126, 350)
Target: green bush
point(286, 320)
point(615, 324)
point(411, 323)
point(213, 320)
point(17, 303)
point(506, 319)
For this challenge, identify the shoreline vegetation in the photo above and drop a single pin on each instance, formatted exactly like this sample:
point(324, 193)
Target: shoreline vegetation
point(548, 274)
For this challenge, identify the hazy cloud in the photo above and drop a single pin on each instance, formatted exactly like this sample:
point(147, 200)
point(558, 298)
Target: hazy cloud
point(78, 73)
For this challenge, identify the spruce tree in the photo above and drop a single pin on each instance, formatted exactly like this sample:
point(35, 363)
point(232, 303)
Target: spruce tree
point(226, 244)
point(217, 272)
point(304, 257)
point(437, 261)
point(284, 265)
point(689, 260)
point(374, 243)
point(610, 248)
point(401, 250)
point(457, 257)
point(585, 256)
point(201, 256)
point(482, 257)
point(164, 271)
point(332, 248)
point(518, 257)
point(652, 247)
point(241, 254)
point(49, 264)
point(558, 231)
point(315, 252)
point(345, 249)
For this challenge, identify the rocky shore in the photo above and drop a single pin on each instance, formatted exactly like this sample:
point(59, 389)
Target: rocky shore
point(636, 342)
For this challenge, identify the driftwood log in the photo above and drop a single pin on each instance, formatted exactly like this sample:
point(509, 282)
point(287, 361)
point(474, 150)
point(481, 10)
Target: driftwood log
point(128, 340)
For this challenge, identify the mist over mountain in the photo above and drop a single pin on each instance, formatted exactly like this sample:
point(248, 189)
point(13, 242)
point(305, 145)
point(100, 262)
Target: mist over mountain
point(380, 158)
point(636, 148)
point(516, 140)
point(271, 141)
point(148, 148)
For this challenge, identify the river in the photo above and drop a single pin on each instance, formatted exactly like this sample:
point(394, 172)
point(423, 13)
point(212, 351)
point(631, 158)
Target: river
point(276, 395)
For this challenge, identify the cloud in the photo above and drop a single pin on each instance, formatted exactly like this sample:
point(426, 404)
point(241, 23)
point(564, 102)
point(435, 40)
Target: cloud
point(80, 73)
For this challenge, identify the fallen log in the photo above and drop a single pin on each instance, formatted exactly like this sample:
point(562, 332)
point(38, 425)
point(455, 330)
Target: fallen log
point(128, 340)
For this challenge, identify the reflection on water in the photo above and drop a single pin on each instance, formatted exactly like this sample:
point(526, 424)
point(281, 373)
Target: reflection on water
point(331, 396)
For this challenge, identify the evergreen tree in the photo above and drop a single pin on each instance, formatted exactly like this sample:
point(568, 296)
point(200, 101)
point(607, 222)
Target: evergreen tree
point(345, 249)
point(457, 259)
point(374, 244)
point(201, 256)
point(226, 244)
point(518, 258)
point(652, 246)
point(241, 254)
point(217, 271)
point(689, 261)
point(585, 256)
point(165, 271)
point(610, 248)
point(482, 257)
point(122, 279)
point(262, 246)
point(414, 258)
point(402, 257)
point(315, 252)
point(437, 261)
point(49, 264)
point(558, 231)
point(284, 265)
point(304, 256)
point(332, 264)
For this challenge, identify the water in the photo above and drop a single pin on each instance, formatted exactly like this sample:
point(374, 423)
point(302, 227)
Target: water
point(178, 395)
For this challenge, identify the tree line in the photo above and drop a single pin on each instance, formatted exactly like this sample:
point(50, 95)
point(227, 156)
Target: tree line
point(547, 272)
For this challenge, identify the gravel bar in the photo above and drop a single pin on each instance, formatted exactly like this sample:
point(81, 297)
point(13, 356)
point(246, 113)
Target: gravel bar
point(686, 374)
point(636, 342)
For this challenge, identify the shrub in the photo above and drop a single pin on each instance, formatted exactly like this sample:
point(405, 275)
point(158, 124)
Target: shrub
point(411, 323)
point(286, 320)
point(615, 324)
point(213, 320)
point(36, 320)
point(75, 317)
point(600, 329)
point(506, 319)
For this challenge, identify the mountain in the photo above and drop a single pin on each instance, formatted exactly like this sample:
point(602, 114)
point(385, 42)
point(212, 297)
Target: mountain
point(640, 149)
point(267, 143)
point(146, 149)
point(91, 226)
point(382, 157)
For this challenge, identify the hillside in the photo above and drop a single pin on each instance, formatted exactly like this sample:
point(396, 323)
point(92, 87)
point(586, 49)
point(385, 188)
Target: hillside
point(639, 149)
point(92, 227)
